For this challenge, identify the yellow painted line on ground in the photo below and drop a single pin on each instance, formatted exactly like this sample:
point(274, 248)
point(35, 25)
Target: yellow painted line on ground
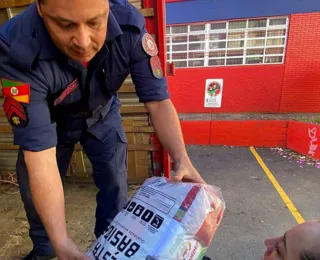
point(296, 214)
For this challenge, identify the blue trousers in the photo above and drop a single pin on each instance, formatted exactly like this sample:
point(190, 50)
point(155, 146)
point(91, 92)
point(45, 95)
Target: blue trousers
point(109, 161)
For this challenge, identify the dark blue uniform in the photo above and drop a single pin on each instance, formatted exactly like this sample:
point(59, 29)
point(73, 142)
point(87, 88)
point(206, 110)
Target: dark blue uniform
point(70, 103)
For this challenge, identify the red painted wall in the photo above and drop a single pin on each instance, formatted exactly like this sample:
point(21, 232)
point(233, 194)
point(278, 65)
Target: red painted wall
point(245, 88)
point(291, 87)
point(196, 132)
point(258, 133)
point(301, 85)
point(304, 138)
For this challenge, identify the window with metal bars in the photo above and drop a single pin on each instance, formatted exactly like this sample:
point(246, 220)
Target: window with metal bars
point(241, 42)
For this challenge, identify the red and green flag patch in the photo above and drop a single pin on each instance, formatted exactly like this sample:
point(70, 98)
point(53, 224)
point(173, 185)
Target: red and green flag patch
point(19, 91)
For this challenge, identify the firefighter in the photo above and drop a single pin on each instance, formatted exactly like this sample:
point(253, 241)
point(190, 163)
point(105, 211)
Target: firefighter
point(61, 65)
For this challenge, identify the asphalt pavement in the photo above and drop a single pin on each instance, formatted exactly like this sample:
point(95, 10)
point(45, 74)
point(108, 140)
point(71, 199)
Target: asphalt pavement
point(254, 208)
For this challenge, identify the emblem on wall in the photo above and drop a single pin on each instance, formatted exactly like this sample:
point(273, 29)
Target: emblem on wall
point(213, 93)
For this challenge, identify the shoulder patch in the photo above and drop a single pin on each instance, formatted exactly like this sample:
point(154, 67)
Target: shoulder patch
point(149, 45)
point(156, 67)
point(15, 112)
point(19, 91)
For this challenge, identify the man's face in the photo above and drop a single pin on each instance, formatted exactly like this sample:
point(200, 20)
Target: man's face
point(77, 27)
point(294, 241)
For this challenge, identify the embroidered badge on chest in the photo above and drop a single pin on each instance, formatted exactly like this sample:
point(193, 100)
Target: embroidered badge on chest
point(149, 45)
point(15, 112)
point(156, 67)
point(69, 89)
point(19, 91)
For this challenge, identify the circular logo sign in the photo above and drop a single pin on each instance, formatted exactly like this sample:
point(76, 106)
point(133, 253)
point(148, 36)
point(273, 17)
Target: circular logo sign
point(14, 91)
point(214, 89)
point(149, 45)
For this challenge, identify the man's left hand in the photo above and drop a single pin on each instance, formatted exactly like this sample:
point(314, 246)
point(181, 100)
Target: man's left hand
point(185, 171)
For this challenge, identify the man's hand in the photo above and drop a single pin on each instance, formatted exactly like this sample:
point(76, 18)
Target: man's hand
point(166, 123)
point(67, 250)
point(48, 197)
point(185, 171)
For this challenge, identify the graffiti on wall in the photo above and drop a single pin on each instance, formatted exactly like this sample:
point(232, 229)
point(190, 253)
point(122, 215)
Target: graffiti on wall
point(313, 141)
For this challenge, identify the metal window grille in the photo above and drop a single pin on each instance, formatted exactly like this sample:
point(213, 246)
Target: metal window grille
point(232, 43)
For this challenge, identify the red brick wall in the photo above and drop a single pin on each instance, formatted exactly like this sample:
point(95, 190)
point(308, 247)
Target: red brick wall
point(258, 133)
point(301, 84)
point(292, 87)
point(245, 88)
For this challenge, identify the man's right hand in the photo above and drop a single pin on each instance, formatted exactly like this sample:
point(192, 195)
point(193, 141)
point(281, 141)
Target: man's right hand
point(67, 250)
point(48, 198)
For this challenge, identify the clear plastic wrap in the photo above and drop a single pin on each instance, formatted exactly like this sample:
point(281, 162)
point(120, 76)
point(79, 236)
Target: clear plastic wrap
point(163, 220)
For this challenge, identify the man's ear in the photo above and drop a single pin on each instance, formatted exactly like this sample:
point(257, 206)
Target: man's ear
point(39, 8)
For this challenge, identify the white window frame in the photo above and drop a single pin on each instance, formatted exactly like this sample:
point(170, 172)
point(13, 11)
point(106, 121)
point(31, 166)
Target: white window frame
point(206, 50)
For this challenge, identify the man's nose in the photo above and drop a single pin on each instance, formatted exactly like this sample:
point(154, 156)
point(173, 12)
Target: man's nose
point(82, 39)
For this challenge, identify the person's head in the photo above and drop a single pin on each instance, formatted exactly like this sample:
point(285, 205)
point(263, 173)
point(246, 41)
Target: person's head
point(302, 242)
point(77, 27)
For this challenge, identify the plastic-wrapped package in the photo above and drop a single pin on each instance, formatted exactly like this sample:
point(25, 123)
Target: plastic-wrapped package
point(163, 220)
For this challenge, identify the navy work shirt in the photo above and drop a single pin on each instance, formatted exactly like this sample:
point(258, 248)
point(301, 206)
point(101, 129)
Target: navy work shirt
point(51, 97)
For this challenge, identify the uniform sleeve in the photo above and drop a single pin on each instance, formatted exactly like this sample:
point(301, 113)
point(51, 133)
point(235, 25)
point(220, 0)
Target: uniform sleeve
point(29, 117)
point(149, 87)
